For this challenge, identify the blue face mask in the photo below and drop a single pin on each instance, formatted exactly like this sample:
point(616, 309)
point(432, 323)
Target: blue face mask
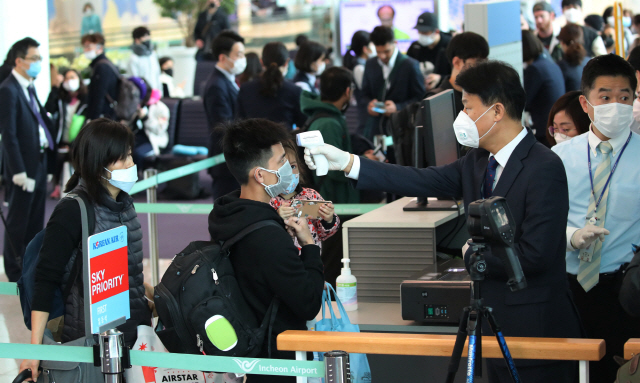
point(293, 185)
point(34, 69)
point(123, 179)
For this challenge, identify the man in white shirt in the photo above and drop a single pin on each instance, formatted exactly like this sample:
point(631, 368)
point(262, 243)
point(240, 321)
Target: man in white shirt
point(27, 145)
point(508, 162)
point(604, 177)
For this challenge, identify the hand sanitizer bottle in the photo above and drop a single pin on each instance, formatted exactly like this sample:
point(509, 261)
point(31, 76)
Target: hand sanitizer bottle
point(347, 288)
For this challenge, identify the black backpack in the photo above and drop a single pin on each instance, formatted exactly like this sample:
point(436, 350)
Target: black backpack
point(199, 287)
point(125, 106)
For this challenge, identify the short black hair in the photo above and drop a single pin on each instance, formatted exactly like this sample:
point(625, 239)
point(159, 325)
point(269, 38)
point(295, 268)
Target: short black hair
point(21, 48)
point(634, 58)
point(247, 144)
point(99, 144)
point(164, 60)
point(223, 43)
point(382, 35)
point(301, 39)
point(493, 82)
point(635, 20)
point(393, 11)
point(606, 65)
point(334, 82)
point(308, 53)
point(93, 38)
point(566, 3)
point(467, 45)
point(595, 21)
point(532, 47)
point(140, 32)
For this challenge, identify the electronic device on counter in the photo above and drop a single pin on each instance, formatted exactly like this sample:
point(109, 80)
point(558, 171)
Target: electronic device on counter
point(436, 298)
point(435, 143)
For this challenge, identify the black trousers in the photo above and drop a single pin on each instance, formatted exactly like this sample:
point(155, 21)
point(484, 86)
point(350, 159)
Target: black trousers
point(223, 186)
point(604, 318)
point(25, 219)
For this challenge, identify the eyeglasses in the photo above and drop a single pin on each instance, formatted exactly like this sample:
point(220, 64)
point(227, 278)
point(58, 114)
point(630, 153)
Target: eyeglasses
point(564, 132)
point(33, 58)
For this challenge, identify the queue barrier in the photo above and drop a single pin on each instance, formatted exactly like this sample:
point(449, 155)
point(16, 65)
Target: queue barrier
point(581, 350)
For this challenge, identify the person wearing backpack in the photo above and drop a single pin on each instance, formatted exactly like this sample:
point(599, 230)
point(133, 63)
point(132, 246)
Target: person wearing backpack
point(104, 80)
point(104, 171)
point(266, 261)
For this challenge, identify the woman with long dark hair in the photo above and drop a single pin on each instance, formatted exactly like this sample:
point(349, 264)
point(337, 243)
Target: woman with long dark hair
point(67, 104)
point(104, 171)
point(253, 69)
point(575, 56)
point(359, 52)
point(270, 96)
point(310, 65)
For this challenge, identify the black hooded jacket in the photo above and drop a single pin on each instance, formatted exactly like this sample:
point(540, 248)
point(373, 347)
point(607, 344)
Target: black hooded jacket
point(266, 264)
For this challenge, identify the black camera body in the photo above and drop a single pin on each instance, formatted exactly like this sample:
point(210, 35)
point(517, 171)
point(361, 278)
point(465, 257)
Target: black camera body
point(491, 225)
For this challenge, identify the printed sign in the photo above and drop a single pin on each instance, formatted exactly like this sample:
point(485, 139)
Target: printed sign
point(108, 277)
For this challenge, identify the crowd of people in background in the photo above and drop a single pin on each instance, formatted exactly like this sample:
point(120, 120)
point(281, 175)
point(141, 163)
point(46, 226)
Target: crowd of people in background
point(376, 79)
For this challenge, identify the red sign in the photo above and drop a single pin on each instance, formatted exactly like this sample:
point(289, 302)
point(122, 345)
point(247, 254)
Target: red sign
point(109, 275)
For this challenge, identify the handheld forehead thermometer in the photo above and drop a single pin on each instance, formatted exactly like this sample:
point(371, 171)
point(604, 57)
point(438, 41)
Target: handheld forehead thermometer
point(310, 140)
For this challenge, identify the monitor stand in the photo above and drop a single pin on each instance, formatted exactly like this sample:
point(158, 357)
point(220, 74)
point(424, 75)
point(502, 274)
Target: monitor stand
point(421, 204)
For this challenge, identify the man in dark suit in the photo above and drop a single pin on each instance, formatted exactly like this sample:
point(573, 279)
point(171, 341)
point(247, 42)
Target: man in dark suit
point(508, 162)
point(104, 78)
point(391, 78)
point(211, 22)
point(220, 98)
point(27, 141)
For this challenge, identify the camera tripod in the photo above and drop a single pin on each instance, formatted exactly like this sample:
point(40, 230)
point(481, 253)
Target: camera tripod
point(471, 326)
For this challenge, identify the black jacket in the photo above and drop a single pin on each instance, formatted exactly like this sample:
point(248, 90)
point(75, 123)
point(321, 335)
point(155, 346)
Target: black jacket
point(207, 30)
point(284, 107)
point(407, 86)
point(58, 109)
point(436, 56)
point(267, 264)
point(220, 97)
point(20, 132)
point(630, 290)
point(544, 84)
point(103, 81)
point(539, 206)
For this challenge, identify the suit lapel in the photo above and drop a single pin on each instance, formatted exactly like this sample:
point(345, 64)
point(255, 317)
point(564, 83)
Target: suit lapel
point(514, 165)
point(478, 174)
point(22, 96)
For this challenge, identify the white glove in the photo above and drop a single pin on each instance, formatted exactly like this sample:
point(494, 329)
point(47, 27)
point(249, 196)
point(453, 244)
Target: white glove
point(29, 185)
point(19, 179)
point(338, 159)
point(583, 238)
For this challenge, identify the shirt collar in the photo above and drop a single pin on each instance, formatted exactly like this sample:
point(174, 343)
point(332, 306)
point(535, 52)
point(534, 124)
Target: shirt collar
point(616, 143)
point(392, 60)
point(502, 157)
point(311, 77)
point(227, 74)
point(21, 80)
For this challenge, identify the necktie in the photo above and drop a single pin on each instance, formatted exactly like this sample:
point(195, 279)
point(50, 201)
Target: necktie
point(36, 111)
point(490, 177)
point(589, 272)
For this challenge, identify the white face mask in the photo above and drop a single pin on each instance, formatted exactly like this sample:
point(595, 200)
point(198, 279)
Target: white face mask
point(373, 52)
point(573, 15)
point(611, 21)
point(559, 137)
point(123, 179)
point(426, 40)
point(320, 69)
point(91, 55)
point(467, 131)
point(612, 119)
point(71, 85)
point(285, 178)
point(239, 66)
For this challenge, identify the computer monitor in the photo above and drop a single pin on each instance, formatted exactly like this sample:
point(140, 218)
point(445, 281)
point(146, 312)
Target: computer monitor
point(435, 143)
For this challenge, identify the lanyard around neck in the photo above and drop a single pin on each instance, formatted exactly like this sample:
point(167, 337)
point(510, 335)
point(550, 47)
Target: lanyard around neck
point(593, 192)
